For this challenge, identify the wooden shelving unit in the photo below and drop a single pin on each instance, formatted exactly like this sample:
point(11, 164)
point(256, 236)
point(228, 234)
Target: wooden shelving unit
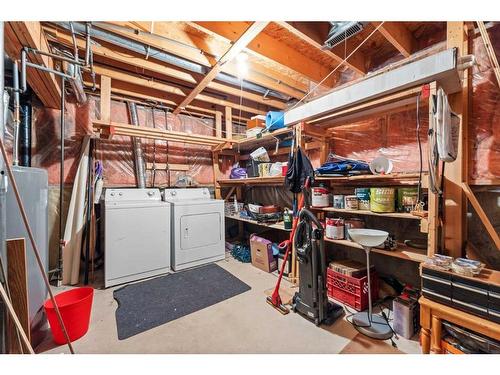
point(395, 215)
point(278, 180)
point(370, 179)
point(265, 138)
point(401, 252)
point(278, 226)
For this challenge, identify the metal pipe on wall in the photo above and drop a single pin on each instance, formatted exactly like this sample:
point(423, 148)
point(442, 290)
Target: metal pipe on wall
point(158, 54)
point(25, 133)
point(61, 182)
point(17, 118)
point(140, 170)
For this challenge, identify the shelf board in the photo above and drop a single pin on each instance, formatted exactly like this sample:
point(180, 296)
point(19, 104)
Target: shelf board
point(387, 179)
point(252, 142)
point(277, 180)
point(397, 215)
point(402, 251)
point(278, 226)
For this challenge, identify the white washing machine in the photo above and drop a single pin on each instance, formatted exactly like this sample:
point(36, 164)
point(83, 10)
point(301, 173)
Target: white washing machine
point(136, 229)
point(197, 227)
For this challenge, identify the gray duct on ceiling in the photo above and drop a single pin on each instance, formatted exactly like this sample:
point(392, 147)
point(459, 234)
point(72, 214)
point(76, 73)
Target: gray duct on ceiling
point(140, 170)
point(146, 50)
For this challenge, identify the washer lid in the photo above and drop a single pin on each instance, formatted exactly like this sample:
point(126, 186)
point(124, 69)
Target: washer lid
point(181, 195)
point(132, 195)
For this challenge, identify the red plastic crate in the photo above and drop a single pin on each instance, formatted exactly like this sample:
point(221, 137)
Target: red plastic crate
point(350, 290)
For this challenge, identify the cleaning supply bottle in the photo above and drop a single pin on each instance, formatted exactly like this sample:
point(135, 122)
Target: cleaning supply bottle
point(287, 219)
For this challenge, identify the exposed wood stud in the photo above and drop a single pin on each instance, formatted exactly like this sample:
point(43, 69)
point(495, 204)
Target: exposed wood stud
point(105, 102)
point(229, 123)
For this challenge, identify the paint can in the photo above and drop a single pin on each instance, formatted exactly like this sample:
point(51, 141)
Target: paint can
point(351, 202)
point(352, 223)
point(338, 201)
point(363, 195)
point(382, 199)
point(407, 199)
point(320, 196)
point(334, 228)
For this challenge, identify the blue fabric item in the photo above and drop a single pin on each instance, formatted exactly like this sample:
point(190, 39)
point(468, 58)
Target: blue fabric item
point(241, 253)
point(275, 248)
point(286, 143)
point(341, 166)
point(237, 173)
point(275, 120)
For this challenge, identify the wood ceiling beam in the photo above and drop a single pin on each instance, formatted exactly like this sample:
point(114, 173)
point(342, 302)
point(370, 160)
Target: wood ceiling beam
point(29, 34)
point(169, 38)
point(399, 36)
point(245, 38)
point(313, 36)
point(124, 94)
point(166, 88)
point(140, 64)
point(272, 49)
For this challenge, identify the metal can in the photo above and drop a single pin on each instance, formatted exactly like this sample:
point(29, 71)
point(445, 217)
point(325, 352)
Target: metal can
point(352, 224)
point(334, 228)
point(338, 201)
point(407, 198)
point(320, 196)
point(351, 202)
point(363, 195)
point(382, 199)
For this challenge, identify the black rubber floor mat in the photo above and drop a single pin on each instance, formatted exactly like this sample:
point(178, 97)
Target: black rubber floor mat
point(154, 302)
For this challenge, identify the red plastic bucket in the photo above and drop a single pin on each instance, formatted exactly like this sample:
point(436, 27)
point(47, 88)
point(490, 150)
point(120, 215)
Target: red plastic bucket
point(75, 306)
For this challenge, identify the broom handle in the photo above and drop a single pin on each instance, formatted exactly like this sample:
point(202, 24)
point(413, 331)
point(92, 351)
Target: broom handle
point(33, 243)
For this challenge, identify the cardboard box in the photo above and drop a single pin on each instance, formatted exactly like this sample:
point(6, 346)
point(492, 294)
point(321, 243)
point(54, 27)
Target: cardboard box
point(262, 254)
point(256, 122)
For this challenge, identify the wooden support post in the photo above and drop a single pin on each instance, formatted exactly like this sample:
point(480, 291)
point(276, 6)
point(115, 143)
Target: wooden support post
point(105, 104)
point(433, 199)
point(218, 124)
point(17, 277)
point(217, 173)
point(229, 122)
point(436, 332)
point(455, 173)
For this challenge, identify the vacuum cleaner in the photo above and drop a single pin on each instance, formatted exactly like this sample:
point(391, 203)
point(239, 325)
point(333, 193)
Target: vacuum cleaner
point(311, 300)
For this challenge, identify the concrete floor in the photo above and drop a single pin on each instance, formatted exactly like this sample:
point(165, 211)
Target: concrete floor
point(242, 324)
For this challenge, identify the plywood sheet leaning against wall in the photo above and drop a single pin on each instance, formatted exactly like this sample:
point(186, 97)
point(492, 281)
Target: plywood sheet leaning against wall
point(75, 220)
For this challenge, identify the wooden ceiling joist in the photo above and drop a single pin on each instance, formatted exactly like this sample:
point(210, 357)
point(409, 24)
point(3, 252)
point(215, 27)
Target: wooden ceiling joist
point(169, 38)
point(399, 36)
point(29, 34)
point(231, 53)
point(124, 94)
point(267, 47)
point(315, 38)
point(139, 64)
point(149, 83)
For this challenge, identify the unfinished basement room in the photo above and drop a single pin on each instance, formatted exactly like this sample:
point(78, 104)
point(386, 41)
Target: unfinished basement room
point(235, 185)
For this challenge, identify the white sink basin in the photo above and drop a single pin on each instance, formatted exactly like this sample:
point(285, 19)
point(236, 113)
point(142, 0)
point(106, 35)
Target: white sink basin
point(368, 237)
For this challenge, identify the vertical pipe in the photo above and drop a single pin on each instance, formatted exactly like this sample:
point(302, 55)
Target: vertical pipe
point(61, 182)
point(3, 195)
point(139, 160)
point(25, 134)
point(15, 146)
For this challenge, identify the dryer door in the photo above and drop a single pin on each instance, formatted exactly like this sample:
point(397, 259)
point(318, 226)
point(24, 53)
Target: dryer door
point(199, 234)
